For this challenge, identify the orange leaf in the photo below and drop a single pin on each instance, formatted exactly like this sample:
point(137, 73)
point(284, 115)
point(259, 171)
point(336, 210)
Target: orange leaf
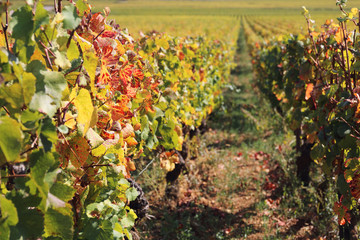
point(339, 36)
point(342, 222)
point(131, 141)
point(130, 165)
point(97, 23)
point(76, 151)
point(309, 89)
point(104, 77)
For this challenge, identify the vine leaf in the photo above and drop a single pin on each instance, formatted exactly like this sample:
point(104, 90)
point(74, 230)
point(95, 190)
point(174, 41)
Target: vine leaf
point(76, 151)
point(49, 88)
point(90, 63)
point(9, 217)
point(131, 194)
point(59, 222)
point(62, 191)
point(31, 220)
point(309, 90)
point(11, 95)
point(41, 16)
point(40, 163)
point(87, 114)
point(28, 86)
point(43, 103)
point(71, 18)
point(61, 60)
point(22, 24)
point(10, 138)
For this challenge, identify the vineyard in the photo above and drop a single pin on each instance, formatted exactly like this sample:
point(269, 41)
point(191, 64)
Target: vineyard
point(179, 120)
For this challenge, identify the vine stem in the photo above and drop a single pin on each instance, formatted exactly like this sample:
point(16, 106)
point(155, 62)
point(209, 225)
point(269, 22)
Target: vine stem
point(15, 176)
point(352, 127)
point(55, 7)
point(59, 6)
point(97, 165)
point(5, 27)
point(6, 110)
point(148, 165)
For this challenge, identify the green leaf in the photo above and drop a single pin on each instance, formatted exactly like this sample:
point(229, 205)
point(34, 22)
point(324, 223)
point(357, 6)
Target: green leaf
point(342, 186)
point(40, 163)
point(71, 18)
point(8, 217)
point(54, 83)
point(51, 83)
point(10, 138)
point(48, 134)
point(317, 152)
point(131, 194)
point(4, 231)
point(24, 50)
point(343, 130)
point(22, 24)
point(28, 86)
point(41, 16)
point(59, 223)
point(43, 103)
point(129, 219)
point(62, 191)
point(98, 230)
point(31, 221)
point(49, 88)
point(63, 129)
point(12, 95)
point(9, 213)
point(30, 119)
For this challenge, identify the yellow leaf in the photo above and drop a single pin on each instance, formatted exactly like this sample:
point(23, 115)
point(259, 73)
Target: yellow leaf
point(162, 43)
point(120, 48)
point(90, 64)
point(99, 151)
point(69, 120)
point(90, 59)
point(84, 44)
point(87, 114)
point(73, 93)
point(168, 160)
point(354, 11)
point(2, 40)
point(73, 51)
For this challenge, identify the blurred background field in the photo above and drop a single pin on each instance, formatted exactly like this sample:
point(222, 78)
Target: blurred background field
point(218, 19)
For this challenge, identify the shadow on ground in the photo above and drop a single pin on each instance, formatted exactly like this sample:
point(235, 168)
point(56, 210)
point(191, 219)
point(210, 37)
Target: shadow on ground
point(192, 221)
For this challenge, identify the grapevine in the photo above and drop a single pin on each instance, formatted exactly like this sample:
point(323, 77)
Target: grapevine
point(313, 82)
point(81, 101)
